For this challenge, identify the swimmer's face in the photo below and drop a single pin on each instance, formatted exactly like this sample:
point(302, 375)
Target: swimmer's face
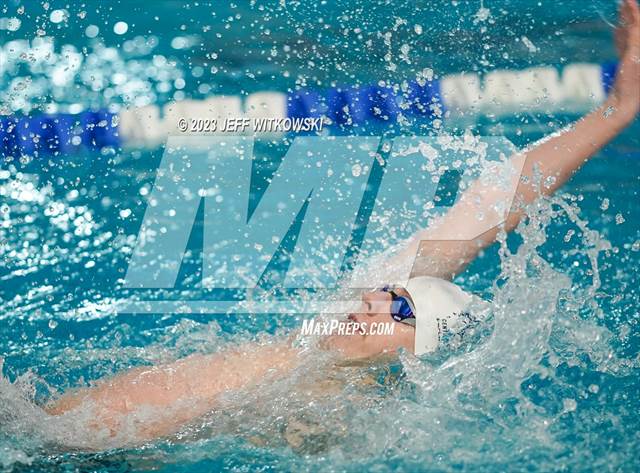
point(378, 333)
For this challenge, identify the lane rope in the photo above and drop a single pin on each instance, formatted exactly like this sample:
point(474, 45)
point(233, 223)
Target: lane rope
point(578, 88)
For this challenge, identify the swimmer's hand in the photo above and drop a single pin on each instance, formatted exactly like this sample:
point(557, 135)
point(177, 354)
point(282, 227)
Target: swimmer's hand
point(625, 94)
point(552, 161)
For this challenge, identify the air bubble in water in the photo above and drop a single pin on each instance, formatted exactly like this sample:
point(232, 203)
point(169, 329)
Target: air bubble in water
point(120, 28)
point(569, 405)
point(529, 44)
point(91, 31)
point(568, 236)
point(11, 24)
point(58, 16)
point(482, 14)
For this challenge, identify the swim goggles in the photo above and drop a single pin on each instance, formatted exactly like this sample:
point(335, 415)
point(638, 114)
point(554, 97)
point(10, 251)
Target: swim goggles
point(402, 309)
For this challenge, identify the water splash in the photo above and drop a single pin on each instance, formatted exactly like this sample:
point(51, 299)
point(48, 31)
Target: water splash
point(506, 395)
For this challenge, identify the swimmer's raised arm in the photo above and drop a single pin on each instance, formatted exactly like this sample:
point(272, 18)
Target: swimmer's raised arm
point(555, 158)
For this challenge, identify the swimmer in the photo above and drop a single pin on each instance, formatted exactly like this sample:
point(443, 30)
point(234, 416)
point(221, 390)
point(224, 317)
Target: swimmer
point(422, 312)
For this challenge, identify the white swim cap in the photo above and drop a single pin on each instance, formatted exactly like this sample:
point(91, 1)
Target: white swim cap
point(440, 307)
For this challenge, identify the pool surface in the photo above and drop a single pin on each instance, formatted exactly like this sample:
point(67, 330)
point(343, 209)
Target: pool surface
point(551, 383)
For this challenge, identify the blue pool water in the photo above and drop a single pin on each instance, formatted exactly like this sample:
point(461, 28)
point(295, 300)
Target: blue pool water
point(551, 385)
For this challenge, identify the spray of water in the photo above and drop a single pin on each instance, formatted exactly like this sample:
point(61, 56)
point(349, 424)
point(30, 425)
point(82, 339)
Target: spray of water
point(482, 400)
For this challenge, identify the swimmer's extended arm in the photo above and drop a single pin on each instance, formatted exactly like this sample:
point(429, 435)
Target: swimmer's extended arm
point(555, 158)
point(149, 402)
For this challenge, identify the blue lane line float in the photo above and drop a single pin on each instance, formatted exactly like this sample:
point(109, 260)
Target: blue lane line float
point(579, 88)
point(608, 75)
point(359, 105)
point(58, 133)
